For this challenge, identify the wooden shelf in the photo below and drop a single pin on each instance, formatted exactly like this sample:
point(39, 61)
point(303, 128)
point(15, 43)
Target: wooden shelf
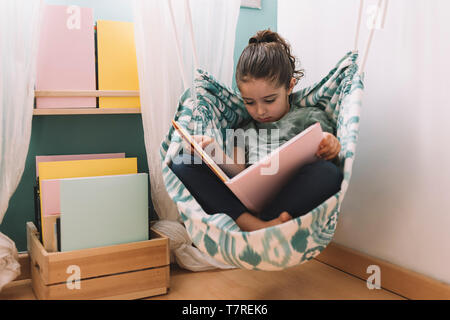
point(54, 112)
point(86, 93)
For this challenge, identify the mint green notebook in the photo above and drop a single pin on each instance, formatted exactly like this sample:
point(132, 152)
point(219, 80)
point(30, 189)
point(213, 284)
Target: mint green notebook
point(102, 211)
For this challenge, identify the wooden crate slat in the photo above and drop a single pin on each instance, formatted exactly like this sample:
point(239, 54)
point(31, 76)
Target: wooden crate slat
point(114, 285)
point(104, 263)
point(36, 250)
point(129, 285)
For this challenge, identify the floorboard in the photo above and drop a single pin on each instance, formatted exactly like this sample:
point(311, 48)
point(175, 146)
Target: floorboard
point(313, 280)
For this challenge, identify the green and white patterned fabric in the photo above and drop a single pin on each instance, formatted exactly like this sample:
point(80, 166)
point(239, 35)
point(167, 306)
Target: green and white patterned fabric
point(217, 108)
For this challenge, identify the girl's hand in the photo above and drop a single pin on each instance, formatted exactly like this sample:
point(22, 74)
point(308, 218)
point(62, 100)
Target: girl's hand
point(329, 147)
point(203, 142)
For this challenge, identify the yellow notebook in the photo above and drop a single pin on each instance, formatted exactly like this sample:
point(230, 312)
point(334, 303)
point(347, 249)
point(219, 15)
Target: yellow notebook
point(77, 169)
point(117, 63)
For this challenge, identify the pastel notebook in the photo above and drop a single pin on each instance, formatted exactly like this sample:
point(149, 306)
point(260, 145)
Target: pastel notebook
point(86, 168)
point(66, 56)
point(50, 194)
point(49, 189)
point(117, 63)
point(74, 169)
point(257, 184)
point(53, 158)
point(103, 211)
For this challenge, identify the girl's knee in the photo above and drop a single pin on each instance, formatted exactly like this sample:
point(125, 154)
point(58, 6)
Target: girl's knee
point(331, 174)
point(325, 174)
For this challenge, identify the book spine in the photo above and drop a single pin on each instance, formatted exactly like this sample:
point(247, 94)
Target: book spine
point(37, 209)
point(58, 233)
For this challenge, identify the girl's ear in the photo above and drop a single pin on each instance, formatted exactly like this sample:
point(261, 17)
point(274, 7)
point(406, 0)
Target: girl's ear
point(292, 85)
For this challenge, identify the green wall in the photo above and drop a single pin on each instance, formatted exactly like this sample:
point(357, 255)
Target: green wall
point(252, 20)
point(101, 133)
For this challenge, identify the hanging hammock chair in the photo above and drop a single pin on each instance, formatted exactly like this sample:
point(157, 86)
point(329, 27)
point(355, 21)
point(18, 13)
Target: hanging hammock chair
point(215, 108)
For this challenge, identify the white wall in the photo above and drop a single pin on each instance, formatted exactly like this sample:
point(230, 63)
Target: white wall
point(397, 206)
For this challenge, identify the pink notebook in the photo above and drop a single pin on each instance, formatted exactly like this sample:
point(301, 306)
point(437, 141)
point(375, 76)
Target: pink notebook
point(50, 188)
point(258, 184)
point(50, 196)
point(66, 56)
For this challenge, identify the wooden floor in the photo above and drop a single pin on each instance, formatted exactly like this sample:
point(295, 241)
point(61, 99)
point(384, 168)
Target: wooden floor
point(313, 280)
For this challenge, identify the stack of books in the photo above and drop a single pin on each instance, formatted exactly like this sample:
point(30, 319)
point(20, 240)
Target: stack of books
point(90, 200)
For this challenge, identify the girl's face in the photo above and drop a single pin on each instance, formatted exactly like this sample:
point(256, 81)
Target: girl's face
point(264, 101)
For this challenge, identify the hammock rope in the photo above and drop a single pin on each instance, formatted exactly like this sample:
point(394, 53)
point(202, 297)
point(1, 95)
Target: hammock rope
point(381, 3)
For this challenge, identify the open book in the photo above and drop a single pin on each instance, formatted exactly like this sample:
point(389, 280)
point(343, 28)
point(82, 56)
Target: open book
point(257, 184)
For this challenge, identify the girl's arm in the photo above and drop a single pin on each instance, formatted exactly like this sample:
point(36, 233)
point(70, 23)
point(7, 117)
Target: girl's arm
point(233, 166)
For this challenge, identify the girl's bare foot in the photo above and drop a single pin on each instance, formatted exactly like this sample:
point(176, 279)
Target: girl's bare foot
point(248, 222)
point(282, 218)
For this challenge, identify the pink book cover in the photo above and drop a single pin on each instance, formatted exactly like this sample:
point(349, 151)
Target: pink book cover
point(50, 196)
point(66, 56)
point(71, 157)
point(258, 184)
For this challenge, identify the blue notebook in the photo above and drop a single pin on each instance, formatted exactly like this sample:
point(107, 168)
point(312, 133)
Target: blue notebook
point(104, 210)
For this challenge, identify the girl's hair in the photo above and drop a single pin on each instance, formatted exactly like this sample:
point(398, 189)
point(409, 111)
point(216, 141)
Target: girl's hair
point(267, 56)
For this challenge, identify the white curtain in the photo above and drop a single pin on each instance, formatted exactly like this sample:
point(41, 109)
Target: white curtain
point(19, 30)
point(397, 204)
point(161, 85)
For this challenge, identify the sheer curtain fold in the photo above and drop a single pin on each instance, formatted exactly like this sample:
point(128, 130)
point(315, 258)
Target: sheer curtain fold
point(19, 31)
point(161, 85)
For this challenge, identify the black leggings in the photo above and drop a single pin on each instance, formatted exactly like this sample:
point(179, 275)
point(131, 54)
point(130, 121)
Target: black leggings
point(305, 190)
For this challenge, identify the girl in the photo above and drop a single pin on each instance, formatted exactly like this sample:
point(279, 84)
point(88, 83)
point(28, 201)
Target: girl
point(266, 76)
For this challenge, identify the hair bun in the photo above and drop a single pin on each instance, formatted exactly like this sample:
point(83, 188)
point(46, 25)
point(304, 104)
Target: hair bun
point(268, 56)
point(264, 36)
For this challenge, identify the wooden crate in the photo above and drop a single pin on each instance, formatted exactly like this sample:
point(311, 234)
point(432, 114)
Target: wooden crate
point(125, 271)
